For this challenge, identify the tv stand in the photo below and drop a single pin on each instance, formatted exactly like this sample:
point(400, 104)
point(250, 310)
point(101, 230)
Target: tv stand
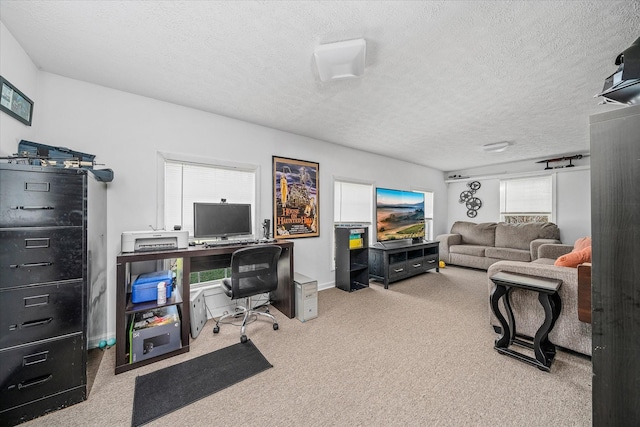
point(390, 263)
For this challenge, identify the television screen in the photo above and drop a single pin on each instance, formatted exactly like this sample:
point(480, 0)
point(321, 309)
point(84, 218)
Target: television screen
point(399, 215)
point(221, 220)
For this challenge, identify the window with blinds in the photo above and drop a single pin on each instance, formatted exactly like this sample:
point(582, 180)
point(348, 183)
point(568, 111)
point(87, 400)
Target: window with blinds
point(428, 213)
point(528, 199)
point(186, 183)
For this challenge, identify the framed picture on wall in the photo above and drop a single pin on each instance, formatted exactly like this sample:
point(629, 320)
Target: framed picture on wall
point(15, 103)
point(296, 196)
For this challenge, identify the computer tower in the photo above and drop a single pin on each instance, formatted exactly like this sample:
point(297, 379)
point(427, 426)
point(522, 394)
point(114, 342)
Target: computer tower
point(306, 297)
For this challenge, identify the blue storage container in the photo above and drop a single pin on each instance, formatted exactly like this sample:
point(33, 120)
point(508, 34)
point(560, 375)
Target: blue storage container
point(145, 287)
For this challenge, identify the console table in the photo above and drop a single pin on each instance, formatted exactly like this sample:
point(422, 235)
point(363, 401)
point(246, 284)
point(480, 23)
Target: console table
point(547, 290)
point(393, 261)
point(193, 259)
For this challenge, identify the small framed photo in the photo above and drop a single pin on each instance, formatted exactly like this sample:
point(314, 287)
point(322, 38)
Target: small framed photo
point(296, 195)
point(15, 103)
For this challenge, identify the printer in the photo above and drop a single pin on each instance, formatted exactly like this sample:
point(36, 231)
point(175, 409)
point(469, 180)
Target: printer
point(158, 240)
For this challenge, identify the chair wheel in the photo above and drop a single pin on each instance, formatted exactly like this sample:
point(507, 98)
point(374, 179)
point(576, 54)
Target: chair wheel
point(243, 339)
point(216, 329)
point(275, 326)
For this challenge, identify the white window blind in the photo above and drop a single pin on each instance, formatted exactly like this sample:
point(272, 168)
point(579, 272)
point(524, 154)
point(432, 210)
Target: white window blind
point(186, 183)
point(353, 202)
point(527, 197)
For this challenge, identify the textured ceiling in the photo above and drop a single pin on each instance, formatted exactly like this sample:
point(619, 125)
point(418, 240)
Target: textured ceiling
point(441, 78)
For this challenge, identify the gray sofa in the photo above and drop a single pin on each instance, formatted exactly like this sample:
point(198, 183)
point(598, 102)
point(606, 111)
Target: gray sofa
point(568, 332)
point(480, 245)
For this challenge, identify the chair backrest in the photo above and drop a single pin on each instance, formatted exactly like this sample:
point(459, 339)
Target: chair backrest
point(254, 270)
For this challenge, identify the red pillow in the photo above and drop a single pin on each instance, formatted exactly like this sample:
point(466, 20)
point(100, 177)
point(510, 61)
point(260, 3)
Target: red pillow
point(574, 258)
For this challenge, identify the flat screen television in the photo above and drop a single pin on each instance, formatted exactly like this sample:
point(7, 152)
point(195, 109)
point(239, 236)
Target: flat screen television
point(221, 220)
point(399, 215)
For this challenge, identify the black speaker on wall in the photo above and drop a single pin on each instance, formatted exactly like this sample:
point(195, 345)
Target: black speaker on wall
point(266, 228)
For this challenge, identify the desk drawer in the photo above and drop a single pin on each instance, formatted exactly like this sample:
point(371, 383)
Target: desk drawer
point(33, 313)
point(39, 255)
point(39, 198)
point(417, 265)
point(430, 262)
point(397, 270)
point(41, 369)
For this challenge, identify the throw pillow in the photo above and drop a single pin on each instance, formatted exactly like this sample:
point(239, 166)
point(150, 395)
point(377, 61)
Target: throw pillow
point(582, 243)
point(574, 258)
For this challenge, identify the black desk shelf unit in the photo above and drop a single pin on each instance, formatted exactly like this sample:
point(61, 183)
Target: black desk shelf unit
point(352, 258)
point(192, 259)
point(125, 309)
point(393, 261)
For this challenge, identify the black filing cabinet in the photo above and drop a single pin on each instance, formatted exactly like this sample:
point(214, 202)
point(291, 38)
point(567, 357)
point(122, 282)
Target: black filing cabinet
point(43, 290)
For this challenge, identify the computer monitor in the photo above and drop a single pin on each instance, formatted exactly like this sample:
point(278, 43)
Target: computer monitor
point(221, 220)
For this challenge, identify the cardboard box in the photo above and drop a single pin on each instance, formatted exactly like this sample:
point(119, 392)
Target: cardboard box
point(154, 332)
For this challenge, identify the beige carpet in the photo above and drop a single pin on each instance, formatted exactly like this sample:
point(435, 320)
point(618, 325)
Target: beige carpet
point(417, 354)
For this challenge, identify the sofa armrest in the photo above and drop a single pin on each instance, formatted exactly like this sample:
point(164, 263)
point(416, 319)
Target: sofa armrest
point(535, 245)
point(553, 251)
point(447, 240)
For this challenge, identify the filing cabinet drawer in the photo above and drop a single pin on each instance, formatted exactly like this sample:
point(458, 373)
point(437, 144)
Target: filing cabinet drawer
point(39, 255)
point(41, 369)
point(41, 199)
point(33, 313)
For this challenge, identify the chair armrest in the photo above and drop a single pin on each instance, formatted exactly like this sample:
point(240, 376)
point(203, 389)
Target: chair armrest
point(447, 240)
point(536, 243)
point(553, 251)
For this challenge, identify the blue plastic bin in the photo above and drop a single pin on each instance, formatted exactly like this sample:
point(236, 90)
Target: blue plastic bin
point(145, 287)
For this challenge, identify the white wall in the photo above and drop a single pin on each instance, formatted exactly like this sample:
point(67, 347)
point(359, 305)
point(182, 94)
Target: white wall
point(17, 68)
point(572, 208)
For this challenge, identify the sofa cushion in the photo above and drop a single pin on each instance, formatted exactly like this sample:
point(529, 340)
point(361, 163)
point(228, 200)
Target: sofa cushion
point(474, 250)
point(509, 254)
point(546, 261)
point(475, 234)
point(519, 236)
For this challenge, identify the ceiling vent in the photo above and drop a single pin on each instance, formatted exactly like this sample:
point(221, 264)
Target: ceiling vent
point(341, 60)
point(623, 86)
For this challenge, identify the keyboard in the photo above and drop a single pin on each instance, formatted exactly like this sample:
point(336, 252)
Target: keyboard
point(231, 242)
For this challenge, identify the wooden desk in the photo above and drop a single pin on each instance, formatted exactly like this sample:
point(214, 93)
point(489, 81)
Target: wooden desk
point(194, 259)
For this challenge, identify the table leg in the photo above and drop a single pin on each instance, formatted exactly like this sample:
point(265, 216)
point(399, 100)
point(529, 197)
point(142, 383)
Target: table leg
point(504, 339)
point(544, 349)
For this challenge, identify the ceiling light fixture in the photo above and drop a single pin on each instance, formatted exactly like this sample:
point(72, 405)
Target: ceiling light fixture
point(340, 60)
point(495, 147)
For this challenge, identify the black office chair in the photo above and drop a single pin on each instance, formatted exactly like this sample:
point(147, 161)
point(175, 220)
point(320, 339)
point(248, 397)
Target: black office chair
point(254, 271)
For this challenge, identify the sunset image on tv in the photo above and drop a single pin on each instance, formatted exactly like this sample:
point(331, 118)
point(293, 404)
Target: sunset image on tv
point(399, 214)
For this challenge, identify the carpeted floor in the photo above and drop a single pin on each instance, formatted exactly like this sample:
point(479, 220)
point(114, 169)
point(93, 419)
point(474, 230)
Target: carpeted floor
point(419, 353)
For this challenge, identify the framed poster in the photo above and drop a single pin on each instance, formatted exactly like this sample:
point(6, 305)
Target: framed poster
point(295, 198)
point(15, 103)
